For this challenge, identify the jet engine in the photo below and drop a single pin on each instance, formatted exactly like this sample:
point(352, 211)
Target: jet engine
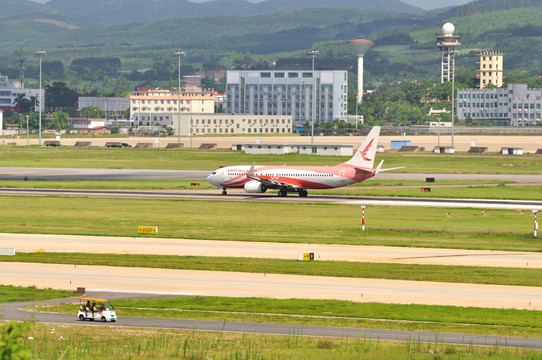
point(254, 186)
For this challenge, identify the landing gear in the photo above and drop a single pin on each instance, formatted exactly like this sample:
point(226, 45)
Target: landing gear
point(224, 192)
point(282, 193)
point(303, 193)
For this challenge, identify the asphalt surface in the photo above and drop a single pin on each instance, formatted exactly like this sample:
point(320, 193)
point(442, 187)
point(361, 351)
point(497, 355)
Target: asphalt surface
point(267, 250)
point(240, 195)
point(12, 311)
point(278, 286)
point(37, 173)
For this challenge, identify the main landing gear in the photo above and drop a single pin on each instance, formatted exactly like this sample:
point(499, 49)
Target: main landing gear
point(301, 193)
point(224, 192)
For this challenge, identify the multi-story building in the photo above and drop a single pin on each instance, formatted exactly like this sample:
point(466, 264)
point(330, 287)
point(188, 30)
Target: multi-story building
point(157, 106)
point(11, 90)
point(205, 124)
point(112, 106)
point(490, 68)
point(515, 103)
point(287, 92)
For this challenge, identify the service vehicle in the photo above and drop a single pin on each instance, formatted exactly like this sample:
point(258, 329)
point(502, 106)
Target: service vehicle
point(96, 309)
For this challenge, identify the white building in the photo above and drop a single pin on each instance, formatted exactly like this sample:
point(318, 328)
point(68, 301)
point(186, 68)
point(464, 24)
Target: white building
point(10, 90)
point(204, 124)
point(326, 150)
point(157, 106)
point(288, 92)
point(515, 104)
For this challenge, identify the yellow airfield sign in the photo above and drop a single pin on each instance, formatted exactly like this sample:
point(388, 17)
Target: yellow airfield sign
point(147, 229)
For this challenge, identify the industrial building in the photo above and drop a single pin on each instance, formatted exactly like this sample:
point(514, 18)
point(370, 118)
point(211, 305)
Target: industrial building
point(112, 106)
point(11, 90)
point(515, 104)
point(289, 93)
point(205, 124)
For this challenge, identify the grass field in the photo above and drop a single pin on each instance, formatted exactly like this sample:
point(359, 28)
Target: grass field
point(19, 293)
point(440, 273)
point(336, 224)
point(98, 342)
point(304, 312)
point(210, 160)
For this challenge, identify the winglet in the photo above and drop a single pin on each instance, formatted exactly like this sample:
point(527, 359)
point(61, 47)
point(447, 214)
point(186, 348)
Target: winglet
point(377, 170)
point(250, 173)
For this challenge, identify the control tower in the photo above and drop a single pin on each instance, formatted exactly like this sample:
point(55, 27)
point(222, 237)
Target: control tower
point(447, 44)
point(360, 46)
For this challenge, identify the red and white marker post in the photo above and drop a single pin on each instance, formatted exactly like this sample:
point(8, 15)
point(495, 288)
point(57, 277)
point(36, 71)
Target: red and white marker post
point(535, 223)
point(363, 217)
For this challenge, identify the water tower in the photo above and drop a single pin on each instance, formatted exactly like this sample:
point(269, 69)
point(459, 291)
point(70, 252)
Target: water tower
point(447, 44)
point(360, 46)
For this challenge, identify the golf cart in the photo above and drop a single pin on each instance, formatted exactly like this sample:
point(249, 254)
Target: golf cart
point(96, 309)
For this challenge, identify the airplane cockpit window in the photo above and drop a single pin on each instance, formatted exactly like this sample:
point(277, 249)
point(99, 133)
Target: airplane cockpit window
point(214, 172)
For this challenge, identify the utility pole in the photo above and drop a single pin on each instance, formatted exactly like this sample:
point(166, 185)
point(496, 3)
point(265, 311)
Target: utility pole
point(179, 54)
point(313, 54)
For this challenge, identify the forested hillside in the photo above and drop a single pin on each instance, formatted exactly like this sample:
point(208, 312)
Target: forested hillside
point(111, 12)
point(404, 43)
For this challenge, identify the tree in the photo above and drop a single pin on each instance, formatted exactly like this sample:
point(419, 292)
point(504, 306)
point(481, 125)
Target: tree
point(21, 101)
point(60, 121)
point(92, 112)
point(59, 95)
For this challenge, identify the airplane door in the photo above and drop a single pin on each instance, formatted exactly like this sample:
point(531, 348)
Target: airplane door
point(341, 174)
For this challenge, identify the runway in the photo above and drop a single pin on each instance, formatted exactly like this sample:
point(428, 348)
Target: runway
point(268, 250)
point(235, 284)
point(261, 328)
point(240, 195)
point(37, 173)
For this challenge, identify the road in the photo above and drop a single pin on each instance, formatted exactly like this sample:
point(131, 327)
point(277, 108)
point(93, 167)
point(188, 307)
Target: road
point(11, 310)
point(279, 286)
point(240, 195)
point(37, 173)
point(268, 250)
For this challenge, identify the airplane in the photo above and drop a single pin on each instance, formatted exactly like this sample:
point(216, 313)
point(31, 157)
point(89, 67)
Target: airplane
point(258, 179)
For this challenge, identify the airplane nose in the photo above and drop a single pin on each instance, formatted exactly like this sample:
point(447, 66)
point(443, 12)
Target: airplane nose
point(211, 179)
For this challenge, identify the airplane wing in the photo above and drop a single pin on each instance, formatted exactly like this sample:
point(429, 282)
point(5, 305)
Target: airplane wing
point(272, 184)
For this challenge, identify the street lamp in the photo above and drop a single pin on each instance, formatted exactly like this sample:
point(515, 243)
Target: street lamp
point(313, 54)
point(179, 54)
point(40, 53)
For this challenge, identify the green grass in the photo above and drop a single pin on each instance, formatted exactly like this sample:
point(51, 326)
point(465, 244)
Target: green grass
point(210, 160)
point(303, 312)
point(99, 342)
point(19, 293)
point(440, 273)
point(294, 223)
point(128, 184)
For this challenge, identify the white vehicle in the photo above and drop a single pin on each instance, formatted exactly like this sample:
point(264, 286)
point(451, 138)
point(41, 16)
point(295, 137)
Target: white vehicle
point(96, 309)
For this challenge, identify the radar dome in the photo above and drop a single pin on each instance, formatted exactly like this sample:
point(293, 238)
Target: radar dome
point(448, 29)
